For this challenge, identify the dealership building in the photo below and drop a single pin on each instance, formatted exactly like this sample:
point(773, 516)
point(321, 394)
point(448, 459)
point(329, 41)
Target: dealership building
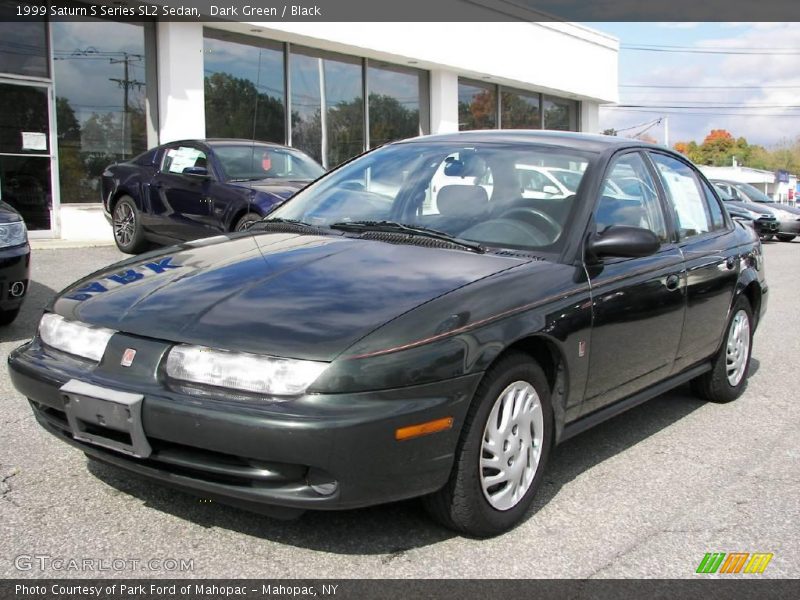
point(77, 96)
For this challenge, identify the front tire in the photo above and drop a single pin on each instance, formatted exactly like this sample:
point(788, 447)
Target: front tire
point(127, 223)
point(502, 452)
point(727, 378)
point(785, 237)
point(246, 221)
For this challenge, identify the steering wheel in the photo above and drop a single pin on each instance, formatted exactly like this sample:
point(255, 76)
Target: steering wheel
point(522, 212)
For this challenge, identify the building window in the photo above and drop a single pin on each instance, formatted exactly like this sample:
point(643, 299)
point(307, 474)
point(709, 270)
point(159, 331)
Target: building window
point(101, 101)
point(560, 113)
point(520, 110)
point(477, 105)
point(244, 87)
point(327, 105)
point(398, 103)
point(23, 45)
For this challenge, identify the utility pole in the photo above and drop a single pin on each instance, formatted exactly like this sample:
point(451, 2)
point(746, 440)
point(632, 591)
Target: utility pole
point(666, 131)
point(126, 83)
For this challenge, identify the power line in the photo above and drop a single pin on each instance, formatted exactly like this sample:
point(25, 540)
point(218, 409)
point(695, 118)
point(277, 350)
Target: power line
point(713, 106)
point(710, 87)
point(711, 50)
point(705, 114)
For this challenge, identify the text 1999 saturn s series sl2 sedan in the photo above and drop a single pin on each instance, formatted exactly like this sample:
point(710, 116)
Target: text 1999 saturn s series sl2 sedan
point(414, 323)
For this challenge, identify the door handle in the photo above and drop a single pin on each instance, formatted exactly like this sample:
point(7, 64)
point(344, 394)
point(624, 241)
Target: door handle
point(673, 282)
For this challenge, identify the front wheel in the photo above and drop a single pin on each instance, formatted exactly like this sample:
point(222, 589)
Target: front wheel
point(127, 223)
point(728, 375)
point(246, 221)
point(502, 452)
point(785, 237)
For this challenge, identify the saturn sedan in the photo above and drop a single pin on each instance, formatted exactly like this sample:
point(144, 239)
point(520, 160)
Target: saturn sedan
point(362, 346)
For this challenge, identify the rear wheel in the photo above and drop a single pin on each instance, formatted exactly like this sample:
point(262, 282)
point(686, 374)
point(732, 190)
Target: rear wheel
point(244, 222)
point(8, 316)
point(127, 223)
point(728, 376)
point(502, 453)
point(785, 237)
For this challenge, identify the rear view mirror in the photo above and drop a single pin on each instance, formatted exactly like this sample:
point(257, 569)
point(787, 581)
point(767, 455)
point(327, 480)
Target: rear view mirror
point(623, 241)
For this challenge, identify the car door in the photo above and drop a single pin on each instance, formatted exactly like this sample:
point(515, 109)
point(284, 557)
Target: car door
point(638, 304)
point(712, 260)
point(181, 202)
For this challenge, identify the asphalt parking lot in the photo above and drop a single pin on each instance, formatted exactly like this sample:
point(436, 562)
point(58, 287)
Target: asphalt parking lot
point(646, 494)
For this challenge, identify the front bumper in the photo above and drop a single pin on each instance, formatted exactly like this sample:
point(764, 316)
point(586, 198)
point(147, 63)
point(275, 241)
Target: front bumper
point(789, 227)
point(262, 456)
point(14, 269)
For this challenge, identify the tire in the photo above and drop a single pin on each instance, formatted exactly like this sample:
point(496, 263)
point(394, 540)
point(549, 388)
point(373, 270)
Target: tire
point(127, 225)
point(462, 504)
point(723, 383)
point(785, 237)
point(244, 222)
point(8, 316)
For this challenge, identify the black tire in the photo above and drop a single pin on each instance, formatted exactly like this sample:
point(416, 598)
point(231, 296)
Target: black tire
point(785, 237)
point(8, 316)
point(461, 504)
point(244, 222)
point(127, 225)
point(715, 385)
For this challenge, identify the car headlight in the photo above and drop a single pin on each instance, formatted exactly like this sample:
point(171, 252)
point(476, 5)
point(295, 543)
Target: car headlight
point(13, 234)
point(73, 337)
point(242, 371)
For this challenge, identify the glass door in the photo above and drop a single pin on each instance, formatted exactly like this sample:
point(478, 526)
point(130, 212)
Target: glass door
point(26, 154)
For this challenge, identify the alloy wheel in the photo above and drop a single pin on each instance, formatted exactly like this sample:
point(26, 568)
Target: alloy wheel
point(124, 223)
point(738, 348)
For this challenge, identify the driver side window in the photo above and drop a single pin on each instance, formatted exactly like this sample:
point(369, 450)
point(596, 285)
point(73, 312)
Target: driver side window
point(629, 198)
point(183, 157)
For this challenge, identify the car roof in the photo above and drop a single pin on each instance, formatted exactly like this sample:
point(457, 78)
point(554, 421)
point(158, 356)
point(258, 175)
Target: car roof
point(568, 139)
point(229, 142)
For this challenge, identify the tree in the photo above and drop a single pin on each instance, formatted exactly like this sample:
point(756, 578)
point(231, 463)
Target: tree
point(236, 109)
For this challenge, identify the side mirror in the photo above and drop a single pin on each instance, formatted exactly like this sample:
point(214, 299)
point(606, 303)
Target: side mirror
point(551, 189)
point(620, 240)
point(196, 171)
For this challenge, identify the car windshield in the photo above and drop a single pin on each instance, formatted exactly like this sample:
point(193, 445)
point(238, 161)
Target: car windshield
point(491, 194)
point(251, 162)
point(753, 193)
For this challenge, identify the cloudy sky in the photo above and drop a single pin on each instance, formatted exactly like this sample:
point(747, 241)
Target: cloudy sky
point(738, 76)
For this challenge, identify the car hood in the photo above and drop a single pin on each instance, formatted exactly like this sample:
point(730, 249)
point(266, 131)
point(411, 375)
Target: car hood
point(759, 209)
point(8, 214)
point(785, 207)
point(301, 296)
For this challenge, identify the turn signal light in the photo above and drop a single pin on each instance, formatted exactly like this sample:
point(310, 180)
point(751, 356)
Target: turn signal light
point(412, 431)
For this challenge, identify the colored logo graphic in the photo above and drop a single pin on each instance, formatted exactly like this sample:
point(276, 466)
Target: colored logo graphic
point(734, 562)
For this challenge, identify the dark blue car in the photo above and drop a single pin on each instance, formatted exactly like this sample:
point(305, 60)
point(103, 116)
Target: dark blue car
point(191, 189)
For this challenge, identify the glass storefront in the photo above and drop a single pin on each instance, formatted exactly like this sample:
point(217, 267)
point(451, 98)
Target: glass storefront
point(244, 87)
point(101, 89)
point(477, 105)
point(248, 89)
point(478, 108)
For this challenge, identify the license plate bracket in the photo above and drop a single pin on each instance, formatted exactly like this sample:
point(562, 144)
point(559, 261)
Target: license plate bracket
point(105, 417)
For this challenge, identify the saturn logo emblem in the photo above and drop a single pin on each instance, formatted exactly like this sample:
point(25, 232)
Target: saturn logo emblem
point(127, 357)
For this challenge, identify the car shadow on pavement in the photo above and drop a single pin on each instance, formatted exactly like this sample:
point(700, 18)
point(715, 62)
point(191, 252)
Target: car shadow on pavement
point(24, 326)
point(395, 528)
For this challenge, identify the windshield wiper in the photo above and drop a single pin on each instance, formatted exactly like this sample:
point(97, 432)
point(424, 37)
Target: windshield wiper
point(395, 227)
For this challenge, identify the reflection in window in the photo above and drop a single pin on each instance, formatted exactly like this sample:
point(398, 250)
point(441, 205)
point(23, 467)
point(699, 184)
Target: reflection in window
point(100, 101)
point(395, 98)
point(520, 110)
point(23, 45)
point(244, 91)
point(327, 106)
point(560, 113)
point(477, 105)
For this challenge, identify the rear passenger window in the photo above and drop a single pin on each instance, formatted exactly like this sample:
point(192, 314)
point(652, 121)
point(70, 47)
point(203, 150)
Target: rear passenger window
point(714, 209)
point(629, 198)
point(685, 194)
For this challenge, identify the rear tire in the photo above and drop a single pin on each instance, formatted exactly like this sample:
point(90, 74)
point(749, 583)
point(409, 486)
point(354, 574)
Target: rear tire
point(785, 237)
point(245, 221)
point(502, 453)
point(727, 378)
point(8, 316)
point(127, 224)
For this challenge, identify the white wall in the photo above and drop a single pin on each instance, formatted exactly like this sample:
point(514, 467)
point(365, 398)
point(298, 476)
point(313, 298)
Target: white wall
point(590, 117)
point(181, 105)
point(444, 101)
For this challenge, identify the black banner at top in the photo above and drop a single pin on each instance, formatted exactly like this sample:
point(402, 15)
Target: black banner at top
point(265, 11)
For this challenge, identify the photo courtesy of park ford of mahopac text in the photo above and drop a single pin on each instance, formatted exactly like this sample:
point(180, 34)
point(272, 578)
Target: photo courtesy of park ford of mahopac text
point(371, 300)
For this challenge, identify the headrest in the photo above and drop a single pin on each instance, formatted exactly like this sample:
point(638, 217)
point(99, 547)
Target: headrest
point(462, 200)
